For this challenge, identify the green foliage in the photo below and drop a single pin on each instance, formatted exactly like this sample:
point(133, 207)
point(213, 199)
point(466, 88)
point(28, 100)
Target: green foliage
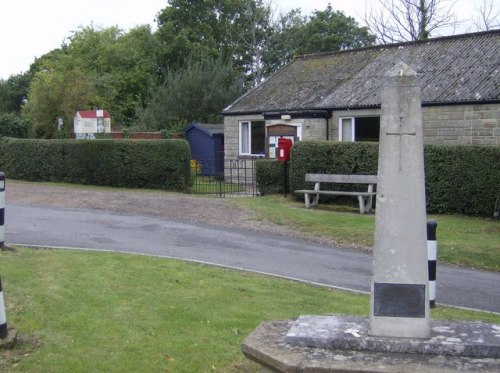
point(324, 31)
point(57, 92)
point(12, 125)
point(226, 29)
point(270, 176)
point(160, 164)
point(196, 93)
point(120, 65)
point(13, 91)
point(460, 179)
point(327, 157)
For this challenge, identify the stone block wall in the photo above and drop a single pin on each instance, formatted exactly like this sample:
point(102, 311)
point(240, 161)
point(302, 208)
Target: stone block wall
point(462, 124)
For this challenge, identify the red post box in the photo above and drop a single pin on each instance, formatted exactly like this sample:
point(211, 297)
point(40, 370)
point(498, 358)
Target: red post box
point(284, 147)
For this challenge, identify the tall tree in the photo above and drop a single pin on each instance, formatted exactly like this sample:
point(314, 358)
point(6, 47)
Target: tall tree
point(121, 65)
point(407, 20)
point(57, 92)
point(13, 92)
point(197, 92)
point(323, 31)
point(230, 29)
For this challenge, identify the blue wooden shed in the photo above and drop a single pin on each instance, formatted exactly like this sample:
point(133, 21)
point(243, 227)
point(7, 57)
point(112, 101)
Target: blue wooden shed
point(207, 147)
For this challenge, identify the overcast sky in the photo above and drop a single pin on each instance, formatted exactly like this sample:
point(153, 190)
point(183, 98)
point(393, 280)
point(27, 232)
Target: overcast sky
point(31, 28)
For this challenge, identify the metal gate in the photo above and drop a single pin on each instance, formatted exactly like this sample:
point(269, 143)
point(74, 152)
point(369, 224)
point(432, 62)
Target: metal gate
point(224, 177)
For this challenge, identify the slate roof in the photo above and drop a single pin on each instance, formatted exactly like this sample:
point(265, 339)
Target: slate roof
point(208, 128)
point(452, 70)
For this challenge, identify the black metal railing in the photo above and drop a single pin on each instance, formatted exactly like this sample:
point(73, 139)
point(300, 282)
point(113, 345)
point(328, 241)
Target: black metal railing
point(224, 177)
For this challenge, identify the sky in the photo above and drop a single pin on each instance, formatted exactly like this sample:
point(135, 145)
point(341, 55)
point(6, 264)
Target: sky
point(31, 28)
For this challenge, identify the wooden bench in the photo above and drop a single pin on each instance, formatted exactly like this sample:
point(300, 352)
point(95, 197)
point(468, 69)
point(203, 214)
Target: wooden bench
point(365, 198)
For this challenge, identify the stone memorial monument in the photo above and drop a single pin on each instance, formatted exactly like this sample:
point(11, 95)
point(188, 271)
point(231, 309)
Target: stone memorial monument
point(399, 292)
point(398, 336)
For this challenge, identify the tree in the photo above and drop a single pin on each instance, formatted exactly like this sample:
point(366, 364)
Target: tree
point(251, 35)
point(488, 17)
point(285, 40)
point(121, 65)
point(227, 29)
point(407, 20)
point(324, 31)
point(330, 30)
point(12, 125)
point(198, 92)
point(13, 92)
point(57, 92)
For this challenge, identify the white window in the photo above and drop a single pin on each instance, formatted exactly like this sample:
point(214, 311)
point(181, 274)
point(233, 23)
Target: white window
point(359, 128)
point(252, 137)
point(346, 129)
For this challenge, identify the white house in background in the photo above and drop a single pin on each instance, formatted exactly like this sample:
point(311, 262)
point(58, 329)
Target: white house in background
point(89, 122)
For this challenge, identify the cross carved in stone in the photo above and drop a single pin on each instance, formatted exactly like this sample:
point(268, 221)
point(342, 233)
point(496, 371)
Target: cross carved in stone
point(400, 133)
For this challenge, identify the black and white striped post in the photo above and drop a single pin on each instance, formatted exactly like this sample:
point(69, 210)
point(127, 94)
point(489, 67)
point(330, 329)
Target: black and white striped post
point(2, 209)
point(432, 260)
point(3, 319)
point(4, 332)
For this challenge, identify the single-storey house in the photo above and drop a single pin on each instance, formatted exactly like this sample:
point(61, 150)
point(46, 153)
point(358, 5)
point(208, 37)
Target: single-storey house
point(336, 96)
point(207, 146)
point(87, 123)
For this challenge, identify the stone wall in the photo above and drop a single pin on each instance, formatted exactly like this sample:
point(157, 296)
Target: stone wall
point(462, 124)
point(453, 124)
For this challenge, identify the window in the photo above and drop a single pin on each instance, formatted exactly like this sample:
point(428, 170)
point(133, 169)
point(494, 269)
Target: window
point(252, 138)
point(359, 128)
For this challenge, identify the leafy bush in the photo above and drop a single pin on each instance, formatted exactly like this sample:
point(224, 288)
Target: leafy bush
point(270, 176)
point(327, 157)
point(122, 163)
point(462, 179)
point(12, 125)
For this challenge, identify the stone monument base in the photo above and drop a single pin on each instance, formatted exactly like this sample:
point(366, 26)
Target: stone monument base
point(289, 346)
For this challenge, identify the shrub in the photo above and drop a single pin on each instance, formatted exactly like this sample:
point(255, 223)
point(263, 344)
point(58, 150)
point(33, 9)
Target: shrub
point(270, 176)
point(122, 163)
point(327, 157)
point(462, 179)
point(12, 125)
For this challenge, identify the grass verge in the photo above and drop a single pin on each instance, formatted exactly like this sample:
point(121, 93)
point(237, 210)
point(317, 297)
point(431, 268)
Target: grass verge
point(462, 240)
point(89, 311)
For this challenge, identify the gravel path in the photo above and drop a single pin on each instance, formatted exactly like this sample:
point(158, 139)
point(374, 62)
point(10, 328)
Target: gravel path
point(176, 206)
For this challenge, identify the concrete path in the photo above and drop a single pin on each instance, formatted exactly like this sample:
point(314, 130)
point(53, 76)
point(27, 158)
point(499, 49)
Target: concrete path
point(249, 250)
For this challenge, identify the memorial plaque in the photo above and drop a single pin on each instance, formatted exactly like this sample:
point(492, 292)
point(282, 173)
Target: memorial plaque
point(399, 300)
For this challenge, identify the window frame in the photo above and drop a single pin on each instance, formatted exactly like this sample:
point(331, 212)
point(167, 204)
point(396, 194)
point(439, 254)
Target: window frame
point(248, 123)
point(353, 128)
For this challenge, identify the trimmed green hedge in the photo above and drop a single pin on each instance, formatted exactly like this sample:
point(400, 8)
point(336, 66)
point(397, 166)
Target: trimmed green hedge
point(270, 176)
point(162, 164)
point(462, 179)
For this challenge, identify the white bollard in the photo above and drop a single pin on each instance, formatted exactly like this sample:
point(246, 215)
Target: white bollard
point(432, 260)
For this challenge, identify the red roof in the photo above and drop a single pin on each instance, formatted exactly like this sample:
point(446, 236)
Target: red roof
point(92, 114)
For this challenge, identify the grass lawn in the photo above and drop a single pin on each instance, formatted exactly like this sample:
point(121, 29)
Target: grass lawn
point(102, 312)
point(468, 241)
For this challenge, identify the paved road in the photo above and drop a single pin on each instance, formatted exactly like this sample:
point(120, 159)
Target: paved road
point(96, 229)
